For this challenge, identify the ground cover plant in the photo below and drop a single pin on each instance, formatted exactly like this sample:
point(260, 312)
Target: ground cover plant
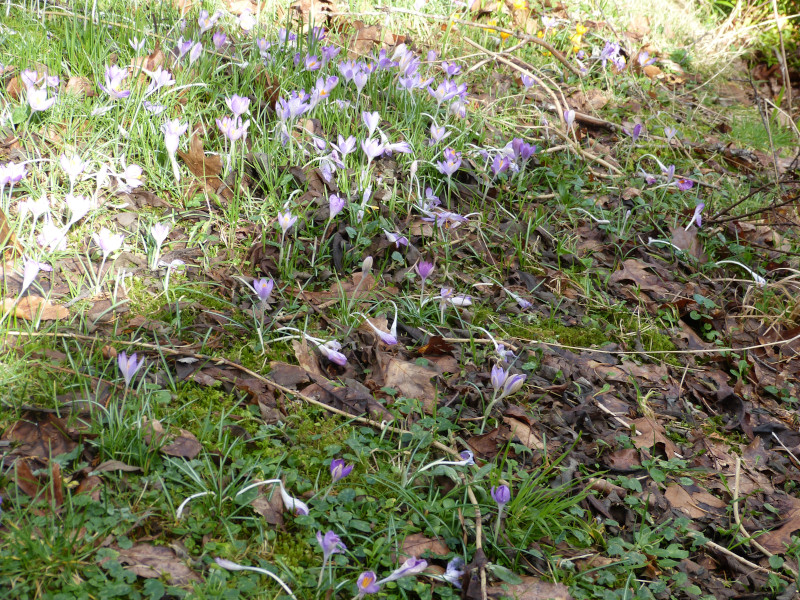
point(427, 300)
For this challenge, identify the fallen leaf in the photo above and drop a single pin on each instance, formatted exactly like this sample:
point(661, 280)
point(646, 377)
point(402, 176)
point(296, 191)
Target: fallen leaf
point(205, 168)
point(636, 271)
point(115, 465)
point(695, 504)
point(525, 433)
point(531, 588)
point(153, 562)
point(270, 506)
point(687, 240)
point(417, 545)
point(8, 240)
point(39, 436)
point(80, 87)
point(184, 446)
point(411, 381)
point(652, 434)
point(778, 540)
point(31, 308)
point(287, 375)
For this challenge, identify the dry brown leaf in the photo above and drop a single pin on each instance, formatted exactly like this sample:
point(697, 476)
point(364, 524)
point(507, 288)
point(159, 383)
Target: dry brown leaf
point(778, 540)
point(115, 465)
point(153, 562)
point(43, 438)
point(79, 87)
point(205, 168)
point(32, 307)
point(25, 479)
point(287, 375)
point(524, 433)
point(185, 445)
point(650, 434)
point(531, 588)
point(411, 381)
point(636, 271)
point(270, 506)
point(151, 62)
point(687, 240)
point(417, 545)
point(8, 241)
point(696, 504)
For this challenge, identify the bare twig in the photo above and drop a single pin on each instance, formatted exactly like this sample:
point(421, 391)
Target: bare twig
point(787, 84)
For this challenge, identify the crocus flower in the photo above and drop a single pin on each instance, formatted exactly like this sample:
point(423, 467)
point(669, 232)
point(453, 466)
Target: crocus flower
point(114, 76)
point(131, 176)
point(438, 134)
point(52, 236)
point(206, 21)
point(219, 39)
point(128, 366)
point(454, 572)
point(37, 208)
point(263, 288)
point(500, 164)
point(108, 242)
point(340, 470)
point(366, 584)
point(136, 43)
point(232, 566)
point(345, 146)
point(636, 132)
point(195, 52)
point(396, 239)
point(451, 163)
point(330, 350)
point(569, 118)
point(501, 494)
point(30, 270)
point(499, 376)
point(450, 69)
point(669, 172)
point(238, 105)
point(372, 148)
point(72, 166)
point(684, 184)
point(412, 566)
point(424, 269)
point(527, 81)
point(670, 133)
point(697, 217)
point(330, 544)
point(335, 204)
point(644, 59)
point(246, 20)
point(512, 385)
point(360, 79)
point(312, 62)
point(286, 220)
point(386, 338)
point(172, 131)
point(159, 78)
point(78, 207)
point(152, 108)
point(38, 100)
point(371, 120)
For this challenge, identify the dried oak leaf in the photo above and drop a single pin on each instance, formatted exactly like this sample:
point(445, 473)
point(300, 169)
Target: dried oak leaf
point(153, 562)
point(531, 588)
point(185, 446)
point(417, 545)
point(39, 436)
point(31, 308)
point(696, 504)
point(411, 381)
point(650, 433)
point(270, 506)
point(205, 168)
point(79, 87)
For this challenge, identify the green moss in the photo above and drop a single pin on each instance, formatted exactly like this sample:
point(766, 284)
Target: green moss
point(580, 336)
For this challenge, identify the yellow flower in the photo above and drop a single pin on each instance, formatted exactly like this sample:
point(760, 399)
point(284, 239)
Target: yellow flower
point(520, 4)
point(540, 34)
point(576, 39)
point(504, 36)
point(580, 29)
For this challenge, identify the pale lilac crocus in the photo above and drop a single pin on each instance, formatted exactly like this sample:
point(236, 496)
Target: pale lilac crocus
point(636, 132)
point(206, 21)
point(51, 236)
point(684, 184)
point(108, 242)
point(372, 148)
point(450, 164)
point(697, 217)
point(501, 495)
point(527, 81)
point(195, 52)
point(173, 129)
point(153, 108)
point(286, 220)
point(396, 239)
point(569, 118)
point(160, 78)
point(128, 366)
point(159, 233)
point(335, 205)
point(136, 43)
point(438, 134)
point(424, 269)
point(239, 105)
point(38, 100)
point(386, 338)
point(345, 146)
point(30, 270)
point(183, 47)
point(130, 177)
point(263, 288)
point(669, 172)
point(360, 79)
point(371, 120)
point(37, 208)
point(454, 572)
point(219, 39)
point(670, 132)
point(114, 77)
point(72, 166)
point(412, 566)
point(312, 63)
point(331, 544)
point(78, 206)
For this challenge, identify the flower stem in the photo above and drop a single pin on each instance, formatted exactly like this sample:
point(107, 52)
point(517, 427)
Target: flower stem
point(499, 522)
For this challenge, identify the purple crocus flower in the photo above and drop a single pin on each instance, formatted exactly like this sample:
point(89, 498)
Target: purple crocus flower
point(335, 204)
point(684, 184)
point(450, 69)
point(424, 269)
point(158, 79)
point(330, 544)
point(512, 385)
point(609, 52)
point(501, 494)
point(527, 81)
point(366, 584)
point(292, 107)
point(128, 366)
point(206, 21)
point(500, 164)
point(172, 131)
point(371, 120)
point(312, 63)
point(644, 59)
point(444, 91)
point(360, 78)
point(454, 572)
point(340, 470)
point(697, 217)
point(329, 53)
point(286, 36)
point(396, 239)
point(263, 288)
point(330, 350)
point(195, 52)
point(114, 76)
point(38, 100)
point(438, 133)
point(183, 47)
point(669, 172)
point(238, 105)
point(498, 378)
point(522, 150)
point(670, 132)
point(569, 118)
point(324, 86)
point(219, 39)
point(451, 163)
point(636, 132)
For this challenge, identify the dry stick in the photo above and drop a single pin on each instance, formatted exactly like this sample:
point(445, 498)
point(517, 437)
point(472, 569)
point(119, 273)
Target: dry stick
point(520, 36)
point(787, 84)
point(478, 536)
point(747, 537)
